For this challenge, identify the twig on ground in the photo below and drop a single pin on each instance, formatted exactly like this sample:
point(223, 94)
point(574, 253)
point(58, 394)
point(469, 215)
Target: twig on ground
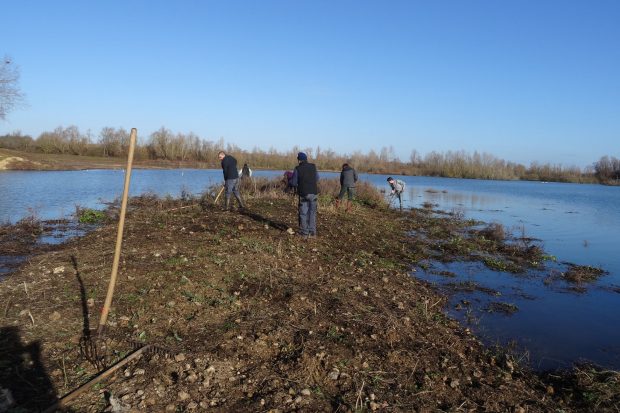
point(6, 309)
point(31, 317)
point(359, 401)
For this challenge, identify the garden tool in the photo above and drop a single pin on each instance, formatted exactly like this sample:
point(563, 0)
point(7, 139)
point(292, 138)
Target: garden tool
point(95, 350)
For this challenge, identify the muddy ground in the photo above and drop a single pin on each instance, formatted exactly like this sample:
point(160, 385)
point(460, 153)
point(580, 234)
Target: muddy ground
point(255, 319)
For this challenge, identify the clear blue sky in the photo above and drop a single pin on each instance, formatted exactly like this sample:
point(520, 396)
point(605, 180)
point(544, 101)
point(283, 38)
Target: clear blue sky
point(523, 80)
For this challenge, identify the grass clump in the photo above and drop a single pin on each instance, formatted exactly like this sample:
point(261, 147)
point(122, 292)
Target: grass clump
point(583, 273)
point(89, 216)
point(494, 231)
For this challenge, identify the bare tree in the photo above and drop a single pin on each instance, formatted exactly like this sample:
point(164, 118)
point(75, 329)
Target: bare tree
point(10, 94)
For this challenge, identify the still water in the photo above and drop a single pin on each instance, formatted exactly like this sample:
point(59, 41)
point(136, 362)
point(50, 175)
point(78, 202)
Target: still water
point(554, 325)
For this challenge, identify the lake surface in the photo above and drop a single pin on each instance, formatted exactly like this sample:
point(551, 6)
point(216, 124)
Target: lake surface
point(554, 325)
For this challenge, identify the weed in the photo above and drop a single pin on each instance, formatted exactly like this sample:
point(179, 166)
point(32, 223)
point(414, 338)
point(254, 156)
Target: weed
point(583, 273)
point(494, 231)
point(500, 265)
point(499, 307)
point(89, 216)
point(334, 335)
point(228, 326)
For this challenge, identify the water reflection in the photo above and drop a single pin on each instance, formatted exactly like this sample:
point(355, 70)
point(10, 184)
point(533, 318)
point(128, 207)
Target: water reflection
point(550, 324)
point(454, 199)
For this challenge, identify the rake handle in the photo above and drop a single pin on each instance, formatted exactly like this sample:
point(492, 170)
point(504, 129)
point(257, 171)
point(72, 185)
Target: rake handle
point(119, 236)
point(218, 195)
point(64, 400)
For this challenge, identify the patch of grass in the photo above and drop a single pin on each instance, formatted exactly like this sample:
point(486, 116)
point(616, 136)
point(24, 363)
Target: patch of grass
point(89, 216)
point(497, 264)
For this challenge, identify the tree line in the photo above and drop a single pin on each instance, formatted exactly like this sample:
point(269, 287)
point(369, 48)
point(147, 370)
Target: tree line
point(165, 145)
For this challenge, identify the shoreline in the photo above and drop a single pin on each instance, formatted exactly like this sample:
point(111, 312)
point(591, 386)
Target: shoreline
point(13, 160)
point(256, 317)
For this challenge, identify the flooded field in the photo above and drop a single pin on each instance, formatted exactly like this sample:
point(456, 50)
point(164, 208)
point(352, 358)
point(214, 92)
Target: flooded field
point(550, 321)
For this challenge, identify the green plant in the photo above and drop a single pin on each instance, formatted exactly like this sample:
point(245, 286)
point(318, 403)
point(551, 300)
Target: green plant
point(89, 216)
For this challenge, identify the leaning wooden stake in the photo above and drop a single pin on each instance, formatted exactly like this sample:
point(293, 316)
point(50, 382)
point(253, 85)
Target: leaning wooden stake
point(64, 400)
point(119, 236)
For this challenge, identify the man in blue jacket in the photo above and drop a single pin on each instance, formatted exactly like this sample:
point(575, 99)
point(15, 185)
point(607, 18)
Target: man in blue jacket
point(231, 178)
point(306, 178)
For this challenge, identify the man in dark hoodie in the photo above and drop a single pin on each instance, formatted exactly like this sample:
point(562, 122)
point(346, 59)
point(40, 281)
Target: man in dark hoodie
point(348, 178)
point(231, 178)
point(306, 178)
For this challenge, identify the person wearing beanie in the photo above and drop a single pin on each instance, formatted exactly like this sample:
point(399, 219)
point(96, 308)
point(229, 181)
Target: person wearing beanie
point(398, 187)
point(231, 178)
point(305, 179)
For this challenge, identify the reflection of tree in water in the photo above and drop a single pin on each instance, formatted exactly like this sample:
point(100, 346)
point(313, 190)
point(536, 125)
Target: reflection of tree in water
point(452, 199)
point(24, 383)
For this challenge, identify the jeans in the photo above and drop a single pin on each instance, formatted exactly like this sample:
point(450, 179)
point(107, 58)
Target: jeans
point(232, 187)
point(400, 199)
point(307, 214)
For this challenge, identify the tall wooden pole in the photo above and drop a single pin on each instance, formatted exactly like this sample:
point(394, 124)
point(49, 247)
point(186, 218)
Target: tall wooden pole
point(119, 235)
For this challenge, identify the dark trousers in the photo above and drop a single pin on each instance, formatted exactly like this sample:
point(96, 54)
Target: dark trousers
point(307, 214)
point(348, 190)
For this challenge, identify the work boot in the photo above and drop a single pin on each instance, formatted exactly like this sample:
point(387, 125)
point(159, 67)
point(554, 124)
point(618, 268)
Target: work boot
point(348, 206)
point(227, 205)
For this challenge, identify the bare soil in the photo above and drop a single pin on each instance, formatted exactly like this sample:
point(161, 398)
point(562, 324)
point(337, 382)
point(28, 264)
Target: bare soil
point(255, 319)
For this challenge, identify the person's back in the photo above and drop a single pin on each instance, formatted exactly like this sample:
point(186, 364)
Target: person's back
point(399, 185)
point(306, 179)
point(229, 167)
point(246, 172)
point(348, 177)
point(231, 178)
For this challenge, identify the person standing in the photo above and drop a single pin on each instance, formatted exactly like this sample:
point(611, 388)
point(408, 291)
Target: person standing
point(348, 178)
point(231, 178)
point(305, 179)
point(245, 172)
point(398, 187)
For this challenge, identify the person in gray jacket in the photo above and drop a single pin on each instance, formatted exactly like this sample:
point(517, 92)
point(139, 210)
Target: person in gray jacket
point(398, 187)
point(348, 178)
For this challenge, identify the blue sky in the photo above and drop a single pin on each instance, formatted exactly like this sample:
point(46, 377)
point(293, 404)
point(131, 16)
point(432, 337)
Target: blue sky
point(522, 80)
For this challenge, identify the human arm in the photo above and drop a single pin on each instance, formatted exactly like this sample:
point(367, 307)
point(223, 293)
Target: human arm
point(294, 179)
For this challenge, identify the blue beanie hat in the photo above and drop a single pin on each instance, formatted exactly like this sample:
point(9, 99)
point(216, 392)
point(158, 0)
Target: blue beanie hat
point(302, 156)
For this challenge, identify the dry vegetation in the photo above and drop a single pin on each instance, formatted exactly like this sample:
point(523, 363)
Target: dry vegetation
point(167, 149)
